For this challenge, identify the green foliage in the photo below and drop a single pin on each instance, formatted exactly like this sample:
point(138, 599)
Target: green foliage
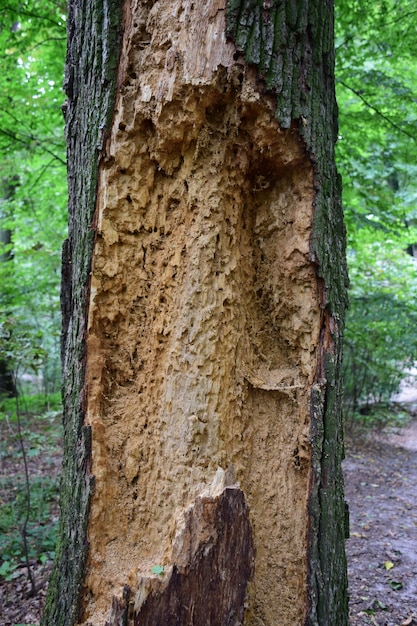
point(41, 431)
point(41, 532)
point(377, 157)
point(377, 416)
point(33, 179)
point(34, 405)
point(380, 337)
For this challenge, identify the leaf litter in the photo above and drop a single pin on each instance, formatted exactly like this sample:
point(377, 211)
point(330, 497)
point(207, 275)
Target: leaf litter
point(381, 489)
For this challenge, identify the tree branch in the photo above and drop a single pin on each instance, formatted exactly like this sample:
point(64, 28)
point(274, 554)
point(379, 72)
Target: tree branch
point(25, 139)
point(37, 16)
point(377, 111)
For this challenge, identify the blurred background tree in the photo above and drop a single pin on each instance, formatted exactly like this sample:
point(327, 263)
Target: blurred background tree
point(377, 157)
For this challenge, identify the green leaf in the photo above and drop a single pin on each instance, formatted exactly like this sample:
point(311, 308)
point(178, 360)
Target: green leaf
point(396, 585)
point(7, 569)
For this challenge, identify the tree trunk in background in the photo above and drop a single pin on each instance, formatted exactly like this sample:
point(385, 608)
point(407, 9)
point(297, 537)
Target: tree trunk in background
point(204, 287)
point(7, 384)
point(8, 187)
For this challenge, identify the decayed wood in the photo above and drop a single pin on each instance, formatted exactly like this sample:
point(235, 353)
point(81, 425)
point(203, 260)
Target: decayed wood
point(202, 388)
point(215, 562)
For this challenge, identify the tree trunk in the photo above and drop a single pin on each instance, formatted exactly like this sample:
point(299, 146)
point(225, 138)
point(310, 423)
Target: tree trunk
point(204, 287)
point(7, 383)
point(8, 187)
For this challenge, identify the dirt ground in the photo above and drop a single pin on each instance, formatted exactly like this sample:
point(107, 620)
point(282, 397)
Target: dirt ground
point(381, 488)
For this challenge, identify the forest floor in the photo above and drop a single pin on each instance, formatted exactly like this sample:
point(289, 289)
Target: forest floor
point(381, 489)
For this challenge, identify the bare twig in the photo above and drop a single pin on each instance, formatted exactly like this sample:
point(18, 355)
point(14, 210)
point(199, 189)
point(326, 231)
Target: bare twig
point(377, 111)
point(23, 529)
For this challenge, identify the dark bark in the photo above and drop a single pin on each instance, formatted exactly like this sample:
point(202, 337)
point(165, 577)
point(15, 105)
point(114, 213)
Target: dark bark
point(7, 382)
point(7, 386)
point(291, 44)
point(90, 78)
point(211, 588)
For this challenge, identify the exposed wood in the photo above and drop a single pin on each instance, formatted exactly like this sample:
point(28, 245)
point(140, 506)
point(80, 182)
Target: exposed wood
point(202, 391)
point(213, 556)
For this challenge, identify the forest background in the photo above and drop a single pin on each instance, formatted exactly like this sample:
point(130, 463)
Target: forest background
point(376, 84)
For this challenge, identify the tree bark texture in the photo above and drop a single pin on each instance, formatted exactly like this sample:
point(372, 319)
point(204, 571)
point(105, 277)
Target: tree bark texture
point(204, 287)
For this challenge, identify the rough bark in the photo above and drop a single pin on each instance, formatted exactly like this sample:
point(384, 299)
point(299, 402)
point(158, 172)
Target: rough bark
point(94, 30)
point(202, 385)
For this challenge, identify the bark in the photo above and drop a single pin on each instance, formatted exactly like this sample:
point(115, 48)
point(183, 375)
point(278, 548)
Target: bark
point(203, 296)
point(94, 30)
point(7, 382)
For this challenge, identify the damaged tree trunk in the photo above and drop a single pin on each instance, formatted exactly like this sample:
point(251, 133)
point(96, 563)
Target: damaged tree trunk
point(204, 287)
